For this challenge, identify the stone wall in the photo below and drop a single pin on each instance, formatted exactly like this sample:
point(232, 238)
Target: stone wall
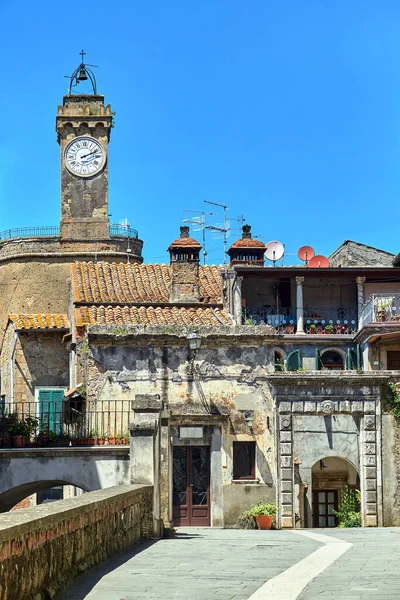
point(354, 254)
point(391, 470)
point(44, 548)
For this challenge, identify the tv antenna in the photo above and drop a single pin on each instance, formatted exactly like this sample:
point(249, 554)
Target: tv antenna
point(199, 224)
point(224, 230)
point(274, 251)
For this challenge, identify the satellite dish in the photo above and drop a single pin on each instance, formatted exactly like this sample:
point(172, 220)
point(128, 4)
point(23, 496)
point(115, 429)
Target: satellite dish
point(306, 253)
point(274, 251)
point(319, 261)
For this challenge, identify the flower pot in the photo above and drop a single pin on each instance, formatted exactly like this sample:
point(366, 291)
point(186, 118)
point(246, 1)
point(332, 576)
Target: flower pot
point(20, 441)
point(91, 441)
point(100, 441)
point(111, 440)
point(117, 441)
point(264, 521)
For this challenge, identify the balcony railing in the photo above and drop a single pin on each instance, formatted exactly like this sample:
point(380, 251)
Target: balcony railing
point(317, 320)
point(381, 308)
point(28, 232)
point(65, 423)
point(330, 320)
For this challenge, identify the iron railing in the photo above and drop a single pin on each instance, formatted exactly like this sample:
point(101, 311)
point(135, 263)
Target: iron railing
point(330, 320)
point(317, 320)
point(30, 232)
point(381, 308)
point(65, 423)
point(27, 232)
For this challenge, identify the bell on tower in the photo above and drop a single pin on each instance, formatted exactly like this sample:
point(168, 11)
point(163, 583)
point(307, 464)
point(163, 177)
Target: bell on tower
point(83, 128)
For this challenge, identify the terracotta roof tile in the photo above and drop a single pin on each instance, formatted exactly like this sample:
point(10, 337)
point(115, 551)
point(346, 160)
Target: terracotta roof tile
point(247, 243)
point(42, 321)
point(150, 315)
point(185, 243)
point(102, 283)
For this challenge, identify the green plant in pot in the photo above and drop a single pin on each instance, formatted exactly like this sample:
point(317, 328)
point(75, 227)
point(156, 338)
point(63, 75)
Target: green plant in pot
point(329, 328)
point(22, 429)
point(263, 513)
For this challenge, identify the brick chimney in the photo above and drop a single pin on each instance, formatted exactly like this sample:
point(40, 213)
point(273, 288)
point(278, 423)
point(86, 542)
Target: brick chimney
point(247, 251)
point(184, 260)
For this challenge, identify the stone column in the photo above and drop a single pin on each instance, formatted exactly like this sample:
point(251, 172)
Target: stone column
point(237, 300)
point(360, 299)
point(299, 305)
point(285, 471)
point(145, 448)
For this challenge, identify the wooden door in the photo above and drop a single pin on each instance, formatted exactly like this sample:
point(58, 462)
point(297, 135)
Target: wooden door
point(191, 486)
point(325, 502)
point(393, 360)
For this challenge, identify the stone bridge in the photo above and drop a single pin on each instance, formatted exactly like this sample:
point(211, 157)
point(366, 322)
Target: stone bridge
point(30, 470)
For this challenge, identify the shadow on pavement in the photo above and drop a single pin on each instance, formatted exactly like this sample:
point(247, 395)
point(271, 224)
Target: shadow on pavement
point(84, 583)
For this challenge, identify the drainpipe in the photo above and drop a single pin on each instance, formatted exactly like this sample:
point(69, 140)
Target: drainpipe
point(12, 368)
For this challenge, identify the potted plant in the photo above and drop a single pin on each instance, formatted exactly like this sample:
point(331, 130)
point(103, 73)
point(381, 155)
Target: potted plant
point(264, 514)
point(92, 438)
point(22, 429)
point(126, 438)
point(62, 439)
point(312, 328)
point(329, 329)
point(45, 437)
point(101, 440)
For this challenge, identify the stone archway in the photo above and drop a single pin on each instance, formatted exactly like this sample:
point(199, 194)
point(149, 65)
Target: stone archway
point(330, 475)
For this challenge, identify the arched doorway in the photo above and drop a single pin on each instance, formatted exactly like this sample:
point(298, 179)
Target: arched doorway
point(330, 476)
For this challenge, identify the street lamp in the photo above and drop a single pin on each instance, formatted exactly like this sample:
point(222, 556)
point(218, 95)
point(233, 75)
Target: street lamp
point(194, 342)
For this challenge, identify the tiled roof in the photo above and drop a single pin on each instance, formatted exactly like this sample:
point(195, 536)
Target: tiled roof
point(45, 321)
point(184, 243)
point(149, 315)
point(247, 243)
point(102, 283)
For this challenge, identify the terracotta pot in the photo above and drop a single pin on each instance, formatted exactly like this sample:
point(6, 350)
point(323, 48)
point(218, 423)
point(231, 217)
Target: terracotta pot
point(117, 441)
point(125, 441)
point(100, 441)
point(264, 521)
point(91, 441)
point(111, 440)
point(20, 441)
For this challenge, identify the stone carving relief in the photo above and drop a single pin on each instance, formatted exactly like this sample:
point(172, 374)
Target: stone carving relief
point(327, 407)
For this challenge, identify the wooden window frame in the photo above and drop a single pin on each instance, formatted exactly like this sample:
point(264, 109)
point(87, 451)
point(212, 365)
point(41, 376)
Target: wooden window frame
point(252, 475)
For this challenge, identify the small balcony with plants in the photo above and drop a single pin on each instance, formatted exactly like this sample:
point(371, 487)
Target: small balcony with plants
point(381, 309)
point(330, 320)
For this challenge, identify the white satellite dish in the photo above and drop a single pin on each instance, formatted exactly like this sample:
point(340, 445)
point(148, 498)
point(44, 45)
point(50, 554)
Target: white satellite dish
point(274, 251)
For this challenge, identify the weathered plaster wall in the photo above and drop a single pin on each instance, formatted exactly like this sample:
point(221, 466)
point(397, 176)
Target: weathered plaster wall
point(391, 470)
point(52, 543)
point(41, 359)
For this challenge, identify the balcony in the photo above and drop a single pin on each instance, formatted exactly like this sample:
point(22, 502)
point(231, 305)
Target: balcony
point(65, 423)
point(323, 320)
point(381, 308)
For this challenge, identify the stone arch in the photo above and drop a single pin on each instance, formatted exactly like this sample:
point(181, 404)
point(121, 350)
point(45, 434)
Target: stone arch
point(330, 475)
point(279, 353)
point(11, 497)
point(334, 350)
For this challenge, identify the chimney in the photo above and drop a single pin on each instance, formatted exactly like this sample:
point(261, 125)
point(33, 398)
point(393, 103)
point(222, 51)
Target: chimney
point(184, 260)
point(246, 250)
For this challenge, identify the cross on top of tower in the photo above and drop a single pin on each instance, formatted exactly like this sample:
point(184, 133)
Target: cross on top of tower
point(82, 53)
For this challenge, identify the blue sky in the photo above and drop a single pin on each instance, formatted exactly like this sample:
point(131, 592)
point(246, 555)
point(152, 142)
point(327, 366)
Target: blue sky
point(288, 112)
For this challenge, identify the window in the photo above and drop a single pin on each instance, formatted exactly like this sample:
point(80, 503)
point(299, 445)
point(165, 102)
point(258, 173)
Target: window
point(244, 460)
point(332, 360)
point(279, 362)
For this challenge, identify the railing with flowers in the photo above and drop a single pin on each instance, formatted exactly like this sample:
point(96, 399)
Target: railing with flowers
point(381, 308)
point(330, 320)
point(282, 319)
point(65, 423)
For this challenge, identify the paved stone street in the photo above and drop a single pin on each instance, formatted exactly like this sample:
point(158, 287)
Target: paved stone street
point(214, 564)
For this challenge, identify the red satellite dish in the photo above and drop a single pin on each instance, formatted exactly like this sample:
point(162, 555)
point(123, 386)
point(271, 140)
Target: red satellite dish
point(319, 261)
point(306, 253)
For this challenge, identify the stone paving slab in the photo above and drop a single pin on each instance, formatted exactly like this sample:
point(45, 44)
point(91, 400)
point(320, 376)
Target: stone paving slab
point(199, 564)
point(367, 571)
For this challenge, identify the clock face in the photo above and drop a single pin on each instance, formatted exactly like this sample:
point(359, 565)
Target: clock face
point(84, 156)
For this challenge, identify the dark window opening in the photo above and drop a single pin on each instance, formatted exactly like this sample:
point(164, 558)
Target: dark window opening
point(50, 495)
point(332, 360)
point(278, 361)
point(244, 460)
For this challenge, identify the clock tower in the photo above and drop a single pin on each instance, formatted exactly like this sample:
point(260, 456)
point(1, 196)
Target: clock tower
point(83, 128)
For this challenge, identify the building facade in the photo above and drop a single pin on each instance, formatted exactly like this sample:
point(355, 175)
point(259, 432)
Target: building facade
point(235, 384)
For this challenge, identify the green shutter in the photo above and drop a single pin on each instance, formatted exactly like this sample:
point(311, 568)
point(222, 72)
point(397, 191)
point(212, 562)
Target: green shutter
point(359, 356)
point(293, 361)
point(50, 408)
point(352, 359)
point(318, 362)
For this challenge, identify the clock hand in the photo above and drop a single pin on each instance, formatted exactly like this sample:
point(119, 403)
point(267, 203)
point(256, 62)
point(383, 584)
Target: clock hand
point(93, 152)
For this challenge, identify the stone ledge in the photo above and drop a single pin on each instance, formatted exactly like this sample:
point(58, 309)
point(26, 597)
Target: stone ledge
point(52, 452)
point(13, 524)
